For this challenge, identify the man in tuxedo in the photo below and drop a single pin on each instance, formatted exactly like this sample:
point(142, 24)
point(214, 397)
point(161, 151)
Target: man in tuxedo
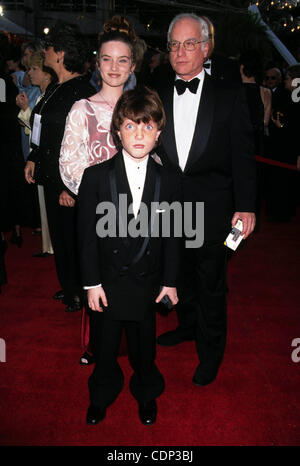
point(208, 140)
point(123, 272)
point(215, 64)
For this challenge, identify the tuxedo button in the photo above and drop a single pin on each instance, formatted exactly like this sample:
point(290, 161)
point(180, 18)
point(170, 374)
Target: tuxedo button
point(115, 251)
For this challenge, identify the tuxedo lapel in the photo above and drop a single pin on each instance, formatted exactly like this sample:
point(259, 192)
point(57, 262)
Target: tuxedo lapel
point(121, 177)
point(203, 123)
point(148, 191)
point(168, 134)
point(122, 187)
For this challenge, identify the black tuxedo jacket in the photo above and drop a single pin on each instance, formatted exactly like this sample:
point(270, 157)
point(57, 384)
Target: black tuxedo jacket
point(131, 285)
point(220, 170)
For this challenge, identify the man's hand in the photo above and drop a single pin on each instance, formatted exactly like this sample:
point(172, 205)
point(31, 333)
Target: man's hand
point(29, 172)
point(66, 200)
point(248, 219)
point(171, 292)
point(94, 297)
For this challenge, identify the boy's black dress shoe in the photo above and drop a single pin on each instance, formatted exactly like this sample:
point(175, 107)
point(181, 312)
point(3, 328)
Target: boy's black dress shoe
point(59, 295)
point(148, 412)
point(95, 415)
point(174, 337)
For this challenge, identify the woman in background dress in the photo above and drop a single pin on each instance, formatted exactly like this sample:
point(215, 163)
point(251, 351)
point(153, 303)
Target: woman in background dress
point(65, 52)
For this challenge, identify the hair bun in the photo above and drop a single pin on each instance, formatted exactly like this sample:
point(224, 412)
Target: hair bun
point(119, 24)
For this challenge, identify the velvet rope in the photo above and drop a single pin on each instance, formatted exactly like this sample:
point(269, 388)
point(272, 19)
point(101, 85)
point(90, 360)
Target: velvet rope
point(289, 166)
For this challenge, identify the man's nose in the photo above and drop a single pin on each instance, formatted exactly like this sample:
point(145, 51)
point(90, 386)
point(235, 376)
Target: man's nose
point(180, 50)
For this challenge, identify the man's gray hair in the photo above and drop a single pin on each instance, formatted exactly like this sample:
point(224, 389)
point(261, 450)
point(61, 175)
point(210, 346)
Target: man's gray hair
point(202, 23)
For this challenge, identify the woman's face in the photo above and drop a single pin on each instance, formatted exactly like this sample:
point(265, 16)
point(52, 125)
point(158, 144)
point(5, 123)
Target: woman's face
point(115, 63)
point(37, 75)
point(50, 57)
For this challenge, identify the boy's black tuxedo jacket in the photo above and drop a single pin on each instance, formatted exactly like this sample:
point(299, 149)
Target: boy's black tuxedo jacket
point(130, 290)
point(220, 170)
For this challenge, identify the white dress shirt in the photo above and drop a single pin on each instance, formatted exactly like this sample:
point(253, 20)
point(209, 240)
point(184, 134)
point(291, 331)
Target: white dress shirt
point(185, 108)
point(136, 175)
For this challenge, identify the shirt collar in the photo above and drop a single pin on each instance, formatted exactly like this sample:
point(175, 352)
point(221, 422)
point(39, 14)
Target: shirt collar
point(132, 164)
point(200, 76)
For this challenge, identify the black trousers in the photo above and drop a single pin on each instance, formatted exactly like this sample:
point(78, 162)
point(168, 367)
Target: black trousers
point(201, 310)
point(107, 379)
point(62, 227)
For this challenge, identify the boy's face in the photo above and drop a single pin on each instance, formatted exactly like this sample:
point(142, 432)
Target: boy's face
point(138, 139)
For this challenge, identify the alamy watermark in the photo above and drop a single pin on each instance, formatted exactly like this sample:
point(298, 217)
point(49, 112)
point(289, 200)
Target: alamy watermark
point(296, 92)
point(179, 220)
point(2, 350)
point(2, 90)
point(296, 352)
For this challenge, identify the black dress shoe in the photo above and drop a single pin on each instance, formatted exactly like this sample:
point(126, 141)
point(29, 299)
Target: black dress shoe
point(174, 337)
point(205, 377)
point(59, 295)
point(148, 412)
point(95, 415)
point(73, 307)
point(41, 254)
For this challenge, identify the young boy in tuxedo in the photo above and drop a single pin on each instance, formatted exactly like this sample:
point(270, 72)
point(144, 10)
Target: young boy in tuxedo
point(123, 272)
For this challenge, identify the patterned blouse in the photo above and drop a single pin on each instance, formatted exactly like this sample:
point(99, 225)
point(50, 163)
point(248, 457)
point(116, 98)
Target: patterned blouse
point(87, 140)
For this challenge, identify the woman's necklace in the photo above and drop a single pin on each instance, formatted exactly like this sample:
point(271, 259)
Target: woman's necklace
point(111, 106)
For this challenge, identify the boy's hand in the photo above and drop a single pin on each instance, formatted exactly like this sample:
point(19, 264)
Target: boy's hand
point(94, 297)
point(66, 200)
point(171, 292)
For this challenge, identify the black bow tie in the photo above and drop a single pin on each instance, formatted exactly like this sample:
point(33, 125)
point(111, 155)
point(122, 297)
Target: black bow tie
point(192, 85)
point(207, 65)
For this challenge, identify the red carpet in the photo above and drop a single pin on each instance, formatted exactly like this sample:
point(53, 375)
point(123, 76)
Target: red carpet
point(254, 401)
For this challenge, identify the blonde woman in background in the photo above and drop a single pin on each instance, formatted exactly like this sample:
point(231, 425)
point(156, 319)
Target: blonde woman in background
point(41, 76)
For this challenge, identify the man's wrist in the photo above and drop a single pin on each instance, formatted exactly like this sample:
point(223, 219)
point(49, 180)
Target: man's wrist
point(91, 287)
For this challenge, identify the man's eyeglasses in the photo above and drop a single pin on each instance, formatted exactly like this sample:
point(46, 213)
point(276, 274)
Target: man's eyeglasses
point(189, 45)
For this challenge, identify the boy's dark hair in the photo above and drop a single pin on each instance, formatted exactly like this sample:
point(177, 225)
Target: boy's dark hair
point(118, 28)
point(139, 105)
point(69, 39)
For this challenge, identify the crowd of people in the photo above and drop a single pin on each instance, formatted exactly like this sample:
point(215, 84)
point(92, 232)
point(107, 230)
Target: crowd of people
point(183, 126)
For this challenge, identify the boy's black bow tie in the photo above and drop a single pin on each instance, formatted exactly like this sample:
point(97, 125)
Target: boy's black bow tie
point(181, 85)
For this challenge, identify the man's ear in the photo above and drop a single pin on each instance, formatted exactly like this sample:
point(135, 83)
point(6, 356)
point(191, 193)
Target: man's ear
point(206, 49)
